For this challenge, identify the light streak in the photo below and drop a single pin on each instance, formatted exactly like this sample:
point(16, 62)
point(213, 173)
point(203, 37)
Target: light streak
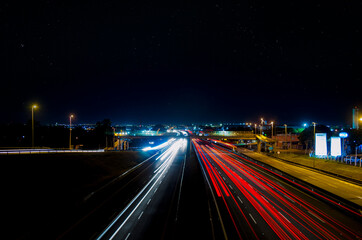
point(159, 146)
point(42, 150)
point(150, 186)
point(287, 215)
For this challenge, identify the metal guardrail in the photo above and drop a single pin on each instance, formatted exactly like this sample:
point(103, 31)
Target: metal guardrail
point(353, 161)
point(42, 150)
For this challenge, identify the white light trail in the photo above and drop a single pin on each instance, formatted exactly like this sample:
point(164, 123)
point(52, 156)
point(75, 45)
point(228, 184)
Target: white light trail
point(159, 146)
point(158, 174)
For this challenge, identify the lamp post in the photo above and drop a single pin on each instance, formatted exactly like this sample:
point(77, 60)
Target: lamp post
point(32, 124)
point(70, 131)
point(285, 125)
point(314, 124)
point(272, 133)
point(255, 128)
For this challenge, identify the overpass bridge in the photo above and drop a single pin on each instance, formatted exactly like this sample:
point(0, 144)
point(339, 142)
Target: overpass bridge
point(259, 140)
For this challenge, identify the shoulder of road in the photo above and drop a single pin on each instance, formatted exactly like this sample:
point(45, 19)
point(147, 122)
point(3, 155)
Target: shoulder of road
point(327, 180)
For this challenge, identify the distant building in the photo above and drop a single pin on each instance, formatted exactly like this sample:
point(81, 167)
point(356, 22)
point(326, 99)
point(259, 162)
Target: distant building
point(287, 141)
point(355, 118)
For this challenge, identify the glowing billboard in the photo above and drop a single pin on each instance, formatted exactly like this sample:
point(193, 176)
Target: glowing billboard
point(321, 144)
point(343, 135)
point(335, 146)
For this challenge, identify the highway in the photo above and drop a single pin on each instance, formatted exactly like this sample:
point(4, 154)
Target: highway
point(253, 202)
point(152, 211)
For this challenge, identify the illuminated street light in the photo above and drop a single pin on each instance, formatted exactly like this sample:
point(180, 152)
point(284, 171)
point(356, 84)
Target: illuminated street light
point(272, 123)
point(70, 130)
point(32, 124)
point(262, 125)
point(255, 128)
point(285, 125)
point(314, 124)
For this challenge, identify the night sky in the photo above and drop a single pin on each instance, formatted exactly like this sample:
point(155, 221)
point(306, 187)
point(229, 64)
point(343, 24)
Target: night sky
point(187, 61)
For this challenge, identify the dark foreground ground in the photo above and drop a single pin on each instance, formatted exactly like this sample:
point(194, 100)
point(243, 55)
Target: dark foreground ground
point(41, 190)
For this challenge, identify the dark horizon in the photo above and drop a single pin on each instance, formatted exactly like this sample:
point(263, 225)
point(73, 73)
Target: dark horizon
point(199, 62)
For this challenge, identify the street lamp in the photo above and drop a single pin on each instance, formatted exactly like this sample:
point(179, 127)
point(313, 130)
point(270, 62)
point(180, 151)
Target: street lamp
point(314, 124)
point(255, 128)
point(285, 125)
point(32, 124)
point(272, 123)
point(70, 130)
point(262, 125)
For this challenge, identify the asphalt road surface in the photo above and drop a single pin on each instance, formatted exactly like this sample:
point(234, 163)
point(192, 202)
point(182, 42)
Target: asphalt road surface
point(255, 203)
point(213, 194)
point(173, 204)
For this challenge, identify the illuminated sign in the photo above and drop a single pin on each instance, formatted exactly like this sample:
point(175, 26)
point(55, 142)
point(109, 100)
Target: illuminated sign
point(335, 146)
point(321, 144)
point(343, 134)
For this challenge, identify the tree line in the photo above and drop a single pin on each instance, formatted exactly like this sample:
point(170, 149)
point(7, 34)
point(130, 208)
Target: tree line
point(56, 136)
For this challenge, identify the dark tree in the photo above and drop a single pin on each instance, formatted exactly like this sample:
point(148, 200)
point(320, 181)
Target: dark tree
point(104, 133)
point(354, 139)
point(306, 137)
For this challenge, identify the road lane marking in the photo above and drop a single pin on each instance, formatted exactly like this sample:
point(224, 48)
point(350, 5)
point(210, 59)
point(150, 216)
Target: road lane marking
point(284, 217)
point(149, 201)
point(240, 200)
point(231, 187)
point(264, 198)
point(316, 217)
point(181, 182)
point(127, 236)
point(129, 204)
point(140, 215)
point(252, 218)
point(289, 198)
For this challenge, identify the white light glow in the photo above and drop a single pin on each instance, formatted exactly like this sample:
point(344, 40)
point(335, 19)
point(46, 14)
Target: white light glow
point(159, 146)
point(150, 188)
point(336, 146)
point(321, 144)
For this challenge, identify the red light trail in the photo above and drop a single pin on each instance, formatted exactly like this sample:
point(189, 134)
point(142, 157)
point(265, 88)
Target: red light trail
point(275, 210)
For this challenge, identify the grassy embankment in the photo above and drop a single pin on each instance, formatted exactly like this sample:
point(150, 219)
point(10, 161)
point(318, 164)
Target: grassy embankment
point(332, 166)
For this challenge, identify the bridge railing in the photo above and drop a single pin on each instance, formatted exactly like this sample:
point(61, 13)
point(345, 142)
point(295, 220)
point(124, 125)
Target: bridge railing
point(231, 134)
